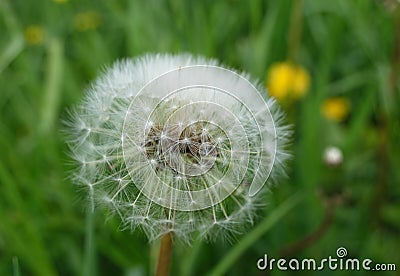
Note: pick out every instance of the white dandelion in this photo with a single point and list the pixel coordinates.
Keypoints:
(333, 156)
(177, 144)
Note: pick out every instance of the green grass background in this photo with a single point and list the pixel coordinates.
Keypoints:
(350, 48)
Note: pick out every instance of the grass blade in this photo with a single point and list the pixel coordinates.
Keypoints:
(255, 234)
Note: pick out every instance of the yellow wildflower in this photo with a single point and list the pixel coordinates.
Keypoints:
(287, 81)
(34, 34)
(336, 109)
(85, 21)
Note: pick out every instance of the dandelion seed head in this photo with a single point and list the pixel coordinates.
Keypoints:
(333, 156)
(176, 143)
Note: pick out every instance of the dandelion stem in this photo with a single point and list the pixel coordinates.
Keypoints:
(165, 255)
(89, 257)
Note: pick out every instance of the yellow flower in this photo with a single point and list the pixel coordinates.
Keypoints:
(60, 1)
(301, 82)
(34, 34)
(85, 21)
(336, 109)
(287, 81)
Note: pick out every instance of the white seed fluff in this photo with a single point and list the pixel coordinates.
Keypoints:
(333, 156)
(176, 143)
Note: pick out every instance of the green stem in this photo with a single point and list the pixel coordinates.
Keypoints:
(89, 261)
(16, 42)
(53, 82)
(254, 235)
(165, 255)
(296, 26)
(16, 270)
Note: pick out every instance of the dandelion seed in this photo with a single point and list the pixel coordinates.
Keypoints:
(333, 156)
(185, 143)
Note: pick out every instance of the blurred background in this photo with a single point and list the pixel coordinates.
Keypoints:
(334, 66)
